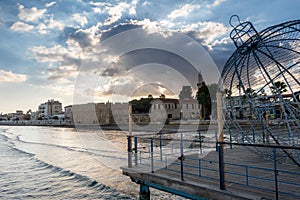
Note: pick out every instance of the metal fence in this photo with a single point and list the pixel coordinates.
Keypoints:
(231, 166)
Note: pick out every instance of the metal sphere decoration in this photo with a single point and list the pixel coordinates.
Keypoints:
(261, 84)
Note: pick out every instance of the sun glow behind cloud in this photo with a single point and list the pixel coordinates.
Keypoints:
(49, 41)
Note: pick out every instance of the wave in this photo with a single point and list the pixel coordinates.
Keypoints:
(78, 183)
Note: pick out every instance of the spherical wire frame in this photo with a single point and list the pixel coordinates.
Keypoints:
(261, 84)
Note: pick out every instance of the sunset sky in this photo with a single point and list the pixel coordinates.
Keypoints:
(50, 49)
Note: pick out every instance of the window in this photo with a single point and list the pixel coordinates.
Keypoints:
(175, 105)
(187, 106)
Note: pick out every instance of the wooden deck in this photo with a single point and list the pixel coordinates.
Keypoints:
(201, 178)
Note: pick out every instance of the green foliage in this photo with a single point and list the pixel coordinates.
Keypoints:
(278, 86)
(227, 92)
(141, 106)
(250, 93)
(204, 98)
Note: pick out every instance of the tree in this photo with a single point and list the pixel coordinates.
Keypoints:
(162, 96)
(141, 106)
(203, 97)
(227, 93)
(186, 93)
(239, 87)
(278, 86)
(251, 93)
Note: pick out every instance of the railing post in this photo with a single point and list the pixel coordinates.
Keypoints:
(166, 162)
(263, 133)
(199, 167)
(253, 136)
(135, 151)
(216, 136)
(221, 166)
(160, 147)
(129, 149)
(230, 138)
(130, 136)
(181, 157)
(151, 150)
(140, 157)
(247, 176)
(275, 172)
(144, 192)
(200, 142)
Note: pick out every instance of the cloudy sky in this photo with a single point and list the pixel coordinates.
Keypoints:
(82, 51)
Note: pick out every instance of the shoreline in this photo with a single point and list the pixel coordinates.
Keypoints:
(166, 128)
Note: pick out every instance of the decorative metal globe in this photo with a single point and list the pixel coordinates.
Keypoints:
(261, 83)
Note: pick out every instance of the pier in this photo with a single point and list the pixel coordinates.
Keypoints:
(191, 165)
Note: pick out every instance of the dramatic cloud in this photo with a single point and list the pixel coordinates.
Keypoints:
(52, 24)
(56, 53)
(30, 14)
(78, 18)
(60, 40)
(21, 26)
(8, 76)
(116, 12)
(86, 37)
(63, 72)
(183, 11)
(208, 32)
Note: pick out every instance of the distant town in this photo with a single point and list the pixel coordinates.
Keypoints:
(158, 109)
(161, 109)
(145, 110)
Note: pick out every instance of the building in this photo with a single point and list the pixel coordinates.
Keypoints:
(163, 109)
(190, 109)
(69, 114)
(97, 113)
(49, 109)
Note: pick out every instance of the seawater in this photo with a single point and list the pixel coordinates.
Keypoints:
(59, 163)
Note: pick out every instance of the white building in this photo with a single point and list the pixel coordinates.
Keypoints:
(163, 109)
(50, 108)
(190, 109)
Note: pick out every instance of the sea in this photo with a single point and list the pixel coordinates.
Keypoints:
(63, 163)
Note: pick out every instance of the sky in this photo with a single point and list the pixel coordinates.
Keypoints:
(78, 51)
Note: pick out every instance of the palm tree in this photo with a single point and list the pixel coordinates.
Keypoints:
(239, 87)
(278, 86)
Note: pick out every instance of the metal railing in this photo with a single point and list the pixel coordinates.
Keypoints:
(187, 159)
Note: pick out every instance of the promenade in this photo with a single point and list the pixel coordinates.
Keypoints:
(240, 174)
